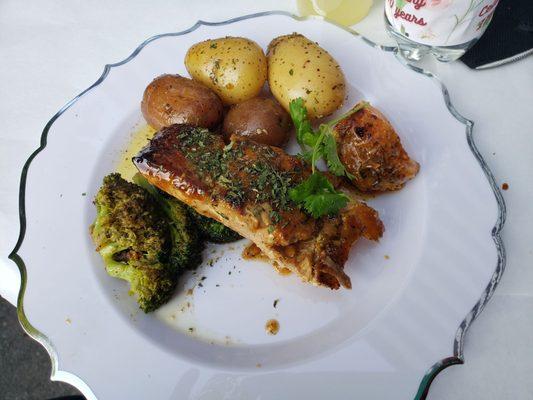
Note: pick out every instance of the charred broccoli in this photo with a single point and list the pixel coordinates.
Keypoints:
(213, 231)
(187, 245)
(133, 238)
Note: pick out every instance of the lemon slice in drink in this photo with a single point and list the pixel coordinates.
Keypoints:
(344, 12)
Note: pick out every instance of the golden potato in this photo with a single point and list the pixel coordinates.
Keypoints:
(298, 67)
(259, 119)
(234, 67)
(174, 99)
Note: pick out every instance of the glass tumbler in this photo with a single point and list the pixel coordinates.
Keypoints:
(444, 28)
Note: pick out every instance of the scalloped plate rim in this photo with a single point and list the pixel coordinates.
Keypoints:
(456, 358)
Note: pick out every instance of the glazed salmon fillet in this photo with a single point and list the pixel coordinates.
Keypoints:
(245, 186)
(371, 150)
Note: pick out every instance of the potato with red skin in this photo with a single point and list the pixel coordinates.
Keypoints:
(174, 99)
(260, 119)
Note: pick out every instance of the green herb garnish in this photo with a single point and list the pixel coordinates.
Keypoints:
(316, 193)
(318, 196)
(322, 143)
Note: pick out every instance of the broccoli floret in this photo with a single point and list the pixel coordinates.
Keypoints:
(133, 237)
(213, 231)
(209, 229)
(187, 245)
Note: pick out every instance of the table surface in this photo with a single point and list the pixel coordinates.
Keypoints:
(52, 50)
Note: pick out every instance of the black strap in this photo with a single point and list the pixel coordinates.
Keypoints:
(509, 36)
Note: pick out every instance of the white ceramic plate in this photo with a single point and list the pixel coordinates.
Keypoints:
(402, 322)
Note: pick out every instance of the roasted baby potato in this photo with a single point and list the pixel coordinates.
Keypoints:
(234, 67)
(260, 119)
(174, 99)
(298, 67)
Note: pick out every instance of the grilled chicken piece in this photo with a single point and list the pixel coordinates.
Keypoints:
(245, 185)
(371, 151)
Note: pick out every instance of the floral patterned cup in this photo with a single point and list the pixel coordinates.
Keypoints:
(445, 28)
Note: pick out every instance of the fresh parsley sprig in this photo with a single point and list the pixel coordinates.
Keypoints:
(321, 143)
(316, 194)
(304, 131)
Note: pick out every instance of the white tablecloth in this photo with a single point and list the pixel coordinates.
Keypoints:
(50, 51)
